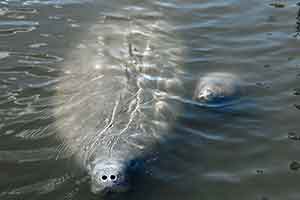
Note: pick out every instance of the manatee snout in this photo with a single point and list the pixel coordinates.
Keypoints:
(109, 176)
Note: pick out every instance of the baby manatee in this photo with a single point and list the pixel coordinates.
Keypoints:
(218, 87)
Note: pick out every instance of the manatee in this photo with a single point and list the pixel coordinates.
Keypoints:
(112, 102)
(218, 87)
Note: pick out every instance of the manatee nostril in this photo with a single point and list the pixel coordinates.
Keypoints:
(112, 177)
(104, 177)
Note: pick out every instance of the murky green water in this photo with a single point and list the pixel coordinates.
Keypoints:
(248, 151)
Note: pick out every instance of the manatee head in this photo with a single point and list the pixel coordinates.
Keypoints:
(109, 176)
(218, 88)
(209, 93)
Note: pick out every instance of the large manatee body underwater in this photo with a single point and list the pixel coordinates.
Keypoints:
(115, 94)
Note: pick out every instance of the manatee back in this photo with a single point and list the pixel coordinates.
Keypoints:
(108, 92)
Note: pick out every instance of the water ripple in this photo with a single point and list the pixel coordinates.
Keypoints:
(12, 31)
(42, 187)
(22, 156)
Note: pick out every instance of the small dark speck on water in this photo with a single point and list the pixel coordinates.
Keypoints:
(265, 198)
(294, 165)
(297, 106)
(272, 18)
(297, 91)
(293, 136)
(259, 171)
(267, 66)
(263, 85)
